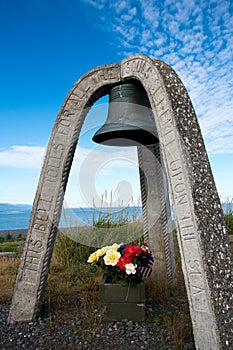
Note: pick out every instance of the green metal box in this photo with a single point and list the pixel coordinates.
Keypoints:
(122, 302)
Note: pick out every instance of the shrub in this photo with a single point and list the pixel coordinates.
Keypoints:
(68, 252)
(11, 247)
(229, 223)
(21, 238)
(9, 238)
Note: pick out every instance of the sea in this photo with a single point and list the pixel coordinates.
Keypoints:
(17, 216)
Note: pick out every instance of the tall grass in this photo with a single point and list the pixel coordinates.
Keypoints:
(72, 288)
(228, 215)
(109, 224)
(8, 271)
(117, 225)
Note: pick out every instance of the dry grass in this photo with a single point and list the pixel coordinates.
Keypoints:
(173, 311)
(8, 272)
(180, 327)
(69, 275)
(71, 288)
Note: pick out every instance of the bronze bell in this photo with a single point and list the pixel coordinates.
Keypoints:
(129, 121)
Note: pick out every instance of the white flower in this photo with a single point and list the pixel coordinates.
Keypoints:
(130, 269)
(111, 257)
(115, 246)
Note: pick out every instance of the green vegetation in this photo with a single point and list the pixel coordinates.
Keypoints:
(20, 237)
(109, 227)
(11, 247)
(9, 238)
(229, 223)
(228, 216)
(71, 288)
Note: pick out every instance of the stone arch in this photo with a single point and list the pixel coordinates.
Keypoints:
(197, 209)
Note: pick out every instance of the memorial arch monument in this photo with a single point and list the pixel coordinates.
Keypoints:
(203, 240)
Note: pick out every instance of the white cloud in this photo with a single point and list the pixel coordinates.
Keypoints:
(92, 172)
(98, 4)
(85, 160)
(119, 6)
(96, 160)
(150, 12)
(22, 157)
(196, 39)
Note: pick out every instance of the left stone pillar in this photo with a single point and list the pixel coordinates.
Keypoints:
(35, 261)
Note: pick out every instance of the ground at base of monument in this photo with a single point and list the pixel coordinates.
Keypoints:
(70, 317)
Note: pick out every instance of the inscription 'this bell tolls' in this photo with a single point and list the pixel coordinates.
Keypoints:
(32, 259)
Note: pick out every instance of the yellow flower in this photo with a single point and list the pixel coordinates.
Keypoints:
(97, 254)
(92, 258)
(111, 257)
(115, 246)
(100, 252)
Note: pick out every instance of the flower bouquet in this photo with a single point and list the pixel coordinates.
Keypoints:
(123, 264)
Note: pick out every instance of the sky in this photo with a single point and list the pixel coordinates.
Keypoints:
(46, 46)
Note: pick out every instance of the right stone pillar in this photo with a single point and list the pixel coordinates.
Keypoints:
(156, 212)
(203, 241)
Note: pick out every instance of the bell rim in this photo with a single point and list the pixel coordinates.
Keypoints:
(137, 136)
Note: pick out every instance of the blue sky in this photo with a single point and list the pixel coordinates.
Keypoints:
(47, 45)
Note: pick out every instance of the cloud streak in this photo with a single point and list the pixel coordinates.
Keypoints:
(91, 173)
(27, 157)
(85, 160)
(196, 40)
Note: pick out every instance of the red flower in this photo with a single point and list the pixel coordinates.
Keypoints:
(133, 250)
(128, 256)
(123, 260)
(145, 249)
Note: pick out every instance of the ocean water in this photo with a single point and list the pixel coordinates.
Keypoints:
(14, 217)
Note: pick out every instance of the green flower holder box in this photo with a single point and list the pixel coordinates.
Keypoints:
(122, 302)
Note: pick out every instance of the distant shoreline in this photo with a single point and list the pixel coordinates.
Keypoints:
(23, 233)
(14, 233)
